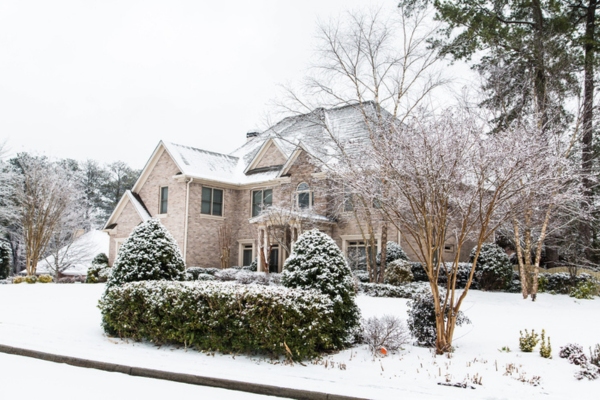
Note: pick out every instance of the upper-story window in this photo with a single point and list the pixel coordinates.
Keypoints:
(304, 196)
(212, 201)
(261, 199)
(164, 199)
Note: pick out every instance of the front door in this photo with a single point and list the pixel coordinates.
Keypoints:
(274, 259)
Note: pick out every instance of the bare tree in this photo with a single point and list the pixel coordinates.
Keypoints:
(225, 242)
(44, 196)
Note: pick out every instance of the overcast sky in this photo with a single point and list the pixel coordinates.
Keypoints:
(107, 80)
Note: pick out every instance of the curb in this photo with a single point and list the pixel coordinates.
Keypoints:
(191, 379)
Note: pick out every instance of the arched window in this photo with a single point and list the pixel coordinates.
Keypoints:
(304, 197)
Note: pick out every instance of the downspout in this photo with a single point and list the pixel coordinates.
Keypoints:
(185, 223)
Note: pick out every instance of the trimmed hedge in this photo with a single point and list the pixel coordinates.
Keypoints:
(406, 291)
(223, 317)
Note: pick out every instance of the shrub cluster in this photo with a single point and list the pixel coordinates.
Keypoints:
(45, 279)
(563, 283)
(5, 259)
(18, 279)
(317, 263)
(222, 317)
(362, 276)
(398, 272)
(574, 354)
(421, 318)
(406, 291)
(585, 290)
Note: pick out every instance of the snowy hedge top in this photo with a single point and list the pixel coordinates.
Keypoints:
(149, 253)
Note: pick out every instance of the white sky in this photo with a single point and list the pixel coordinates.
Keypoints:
(107, 79)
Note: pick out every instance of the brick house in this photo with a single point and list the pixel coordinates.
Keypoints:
(254, 201)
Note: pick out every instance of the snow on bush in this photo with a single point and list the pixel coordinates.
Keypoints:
(387, 332)
(5, 258)
(224, 317)
(494, 270)
(149, 253)
(393, 252)
(574, 354)
(398, 272)
(406, 291)
(362, 276)
(317, 263)
(99, 271)
(421, 318)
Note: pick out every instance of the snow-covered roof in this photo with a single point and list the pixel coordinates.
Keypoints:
(78, 255)
(316, 132)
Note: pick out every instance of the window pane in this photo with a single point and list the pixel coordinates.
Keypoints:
(217, 206)
(268, 197)
(303, 200)
(206, 200)
(256, 202)
(247, 257)
(164, 199)
(303, 186)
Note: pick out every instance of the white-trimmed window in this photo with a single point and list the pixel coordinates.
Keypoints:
(164, 200)
(212, 201)
(261, 199)
(304, 196)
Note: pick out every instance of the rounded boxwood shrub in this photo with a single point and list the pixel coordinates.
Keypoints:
(99, 271)
(317, 263)
(421, 318)
(393, 252)
(494, 270)
(398, 272)
(150, 253)
(45, 279)
(5, 258)
(222, 317)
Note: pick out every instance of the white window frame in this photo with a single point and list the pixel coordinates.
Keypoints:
(311, 199)
(241, 245)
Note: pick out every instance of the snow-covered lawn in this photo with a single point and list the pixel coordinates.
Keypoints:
(64, 319)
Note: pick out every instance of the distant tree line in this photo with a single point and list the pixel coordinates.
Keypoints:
(46, 204)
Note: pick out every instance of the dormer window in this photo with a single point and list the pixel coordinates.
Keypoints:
(304, 197)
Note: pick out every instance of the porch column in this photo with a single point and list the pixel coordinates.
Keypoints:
(261, 245)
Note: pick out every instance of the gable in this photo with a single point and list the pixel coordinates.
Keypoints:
(271, 156)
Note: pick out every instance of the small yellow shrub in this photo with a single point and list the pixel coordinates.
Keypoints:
(45, 279)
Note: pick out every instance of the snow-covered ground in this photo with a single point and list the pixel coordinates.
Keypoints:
(64, 319)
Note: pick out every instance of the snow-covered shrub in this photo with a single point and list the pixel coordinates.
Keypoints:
(5, 259)
(393, 252)
(254, 265)
(419, 274)
(44, 279)
(230, 318)
(528, 341)
(398, 272)
(571, 348)
(545, 348)
(205, 277)
(562, 282)
(589, 372)
(195, 271)
(99, 271)
(149, 253)
(406, 291)
(18, 279)
(317, 263)
(66, 279)
(31, 279)
(226, 275)
(362, 276)
(388, 332)
(595, 355)
(421, 318)
(494, 270)
(585, 290)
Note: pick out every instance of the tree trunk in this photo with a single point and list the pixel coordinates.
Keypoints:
(383, 261)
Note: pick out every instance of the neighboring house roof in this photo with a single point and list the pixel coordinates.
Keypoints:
(137, 204)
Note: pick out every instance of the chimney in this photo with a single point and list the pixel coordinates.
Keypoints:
(251, 134)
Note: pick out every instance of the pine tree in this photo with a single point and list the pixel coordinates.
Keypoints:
(149, 253)
(317, 263)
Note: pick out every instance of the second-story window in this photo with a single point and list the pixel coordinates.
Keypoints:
(212, 201)
(261, 199)
(164, 199)
(304, 197)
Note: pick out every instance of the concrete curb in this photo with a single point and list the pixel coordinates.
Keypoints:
(191, 379)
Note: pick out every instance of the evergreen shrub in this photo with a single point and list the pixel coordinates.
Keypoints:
(229, 318)
(494, 271)
(585, 290)
(18, 279)
(393, 252)
(421, 318)
(406, 291)
(362, 276)
(317, 263)
(44, 279)
(31, 279)
(398, 272)
(149, 253)
(528, 341)
(562, 282)
(99, 271)
(5, 259)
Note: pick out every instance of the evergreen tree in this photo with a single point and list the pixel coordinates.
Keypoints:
(5, 252)
(149, 253)
(317, 263)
